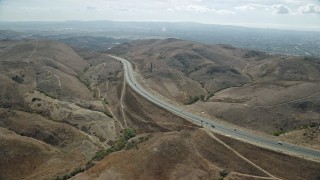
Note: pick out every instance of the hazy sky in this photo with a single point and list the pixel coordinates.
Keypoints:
(288, 14)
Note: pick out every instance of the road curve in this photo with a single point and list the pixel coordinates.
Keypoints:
(214, 125)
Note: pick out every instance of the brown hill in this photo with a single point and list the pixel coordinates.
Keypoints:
(270, 93)
(42, 145)
(172, 155)
(59, 108)
(195, 155)
(177, 65)
(180, 150)
(51, 118)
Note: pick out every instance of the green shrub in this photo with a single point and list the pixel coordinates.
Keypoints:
(18, 79)
(101, 154)
(36, 99)
(278, 133)
(105, 101)
(210, 94)
(86, 69)
(144, 138)
(65, 177)
(118, 145)
(87, 83)
(89, 165)
(45, 93)
(131, 145)
(94, 94)
(192, 99)
(69, 175)
(84, 81)
(108, 114)
(128, 133)
(202, 97)
(223, 173)
(76, 171)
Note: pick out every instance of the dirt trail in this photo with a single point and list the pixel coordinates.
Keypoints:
(58, 78)
(107, 84)
(107, 107)
(121, 101)
(252, 176)
(34, 51)
(242, 157)
(99, 93)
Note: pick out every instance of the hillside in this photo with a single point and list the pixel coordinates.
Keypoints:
(251, 89)
(58, 108)
(196, 155)
(68, 114)
(167, 147)
(50, 118)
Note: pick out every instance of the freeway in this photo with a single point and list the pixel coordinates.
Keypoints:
(213, 124)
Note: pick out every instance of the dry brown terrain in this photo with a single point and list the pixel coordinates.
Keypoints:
(34, 147)
(195, 155)
(52, 119)
(172, 155)
(177, 150)
(278, 164)
(251, 89)
(59, 107)
(146, 117)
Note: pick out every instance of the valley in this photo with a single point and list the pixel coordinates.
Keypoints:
(159, 90)
(65, 111)
(250, 89)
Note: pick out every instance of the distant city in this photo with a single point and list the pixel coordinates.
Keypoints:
(105, 34)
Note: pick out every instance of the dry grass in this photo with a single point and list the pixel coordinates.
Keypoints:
(171, 155)
(278, 164)
(146, 117)
(46, 148)
(251, 89)
(59, 129)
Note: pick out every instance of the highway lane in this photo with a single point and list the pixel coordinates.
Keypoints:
(211, 123)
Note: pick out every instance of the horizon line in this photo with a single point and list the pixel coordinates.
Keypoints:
(252, 26)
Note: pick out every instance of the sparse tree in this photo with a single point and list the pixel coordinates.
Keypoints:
(223, 173)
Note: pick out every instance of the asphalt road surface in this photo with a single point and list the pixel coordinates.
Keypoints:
(214, 125)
